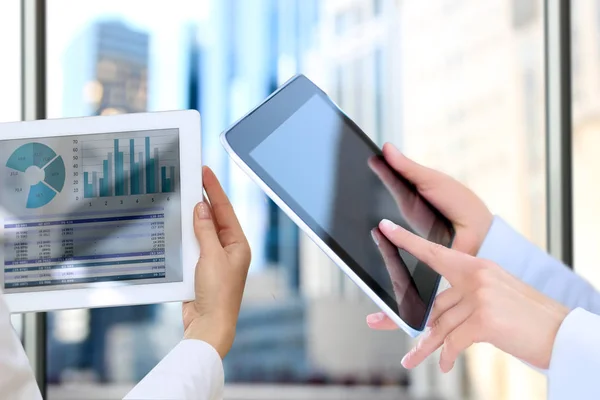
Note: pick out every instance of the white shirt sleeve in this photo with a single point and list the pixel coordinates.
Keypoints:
(16, 377)
(534, 266)
(575, 360)
(575, 364)
(192, 370)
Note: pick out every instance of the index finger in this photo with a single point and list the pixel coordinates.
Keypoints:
(449, 263)
(388, 251)
(229, 229)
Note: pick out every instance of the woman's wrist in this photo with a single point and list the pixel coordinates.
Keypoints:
(557, 315)
(219, 336)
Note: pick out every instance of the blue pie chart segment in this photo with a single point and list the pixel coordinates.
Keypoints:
(22, 158)
(43, 157)
(30, 154)
(39, 195)
(55, 174)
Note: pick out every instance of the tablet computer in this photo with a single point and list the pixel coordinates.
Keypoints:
(97, 211)
(333, 182)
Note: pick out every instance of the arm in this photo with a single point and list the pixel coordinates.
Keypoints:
(16, 377)
(507, 248)
(192, 370)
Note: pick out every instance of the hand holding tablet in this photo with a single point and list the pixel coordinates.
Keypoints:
(334, 183)
(220, 272)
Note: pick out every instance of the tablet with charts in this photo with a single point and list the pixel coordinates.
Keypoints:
(93, 210)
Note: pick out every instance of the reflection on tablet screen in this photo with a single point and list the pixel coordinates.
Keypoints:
(90, 210)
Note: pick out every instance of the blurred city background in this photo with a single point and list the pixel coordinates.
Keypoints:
(457, 84)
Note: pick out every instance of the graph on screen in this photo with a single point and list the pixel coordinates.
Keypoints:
(36, 171)
(131, 166)
(83, 209)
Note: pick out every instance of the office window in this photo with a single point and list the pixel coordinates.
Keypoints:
(10, 79)
(461, 88)
(585, 42)
(476, 118)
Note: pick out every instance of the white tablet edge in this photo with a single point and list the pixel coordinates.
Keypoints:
(188, 123)
(318, 241)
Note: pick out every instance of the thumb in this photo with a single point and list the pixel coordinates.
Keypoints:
(204, 228)
(381, 322)
(419, 175)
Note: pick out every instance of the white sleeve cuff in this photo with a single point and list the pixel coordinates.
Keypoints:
(575, 362)
(192, 370)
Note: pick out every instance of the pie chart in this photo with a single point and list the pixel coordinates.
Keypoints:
(36, 173)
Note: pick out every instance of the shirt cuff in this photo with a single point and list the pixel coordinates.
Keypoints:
(192, 370)
(575, 358)
(506, 247)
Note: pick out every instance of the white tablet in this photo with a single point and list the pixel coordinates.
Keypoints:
(97, 211)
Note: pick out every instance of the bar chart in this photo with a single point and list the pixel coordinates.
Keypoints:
(132, 166)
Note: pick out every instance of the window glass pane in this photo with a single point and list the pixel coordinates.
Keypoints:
(458, 85)
(10, 67)
(463, 90)
(585, 64)
(117, 57)
(10, 78)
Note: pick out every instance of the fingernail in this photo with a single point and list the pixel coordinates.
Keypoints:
(375, 239)
(395, 150)
(375, 318)
(405, 359)
(446, 367)
(202, 211)
(388, 225)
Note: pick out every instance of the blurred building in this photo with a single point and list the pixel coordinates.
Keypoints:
(363, 59)
(459, 78)
(331, 305)
(418, 74)
(586, 135)
(473, 106)
(287, 332)
(239, 69)
(357, 55)
(106, 72)
(358, 39)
